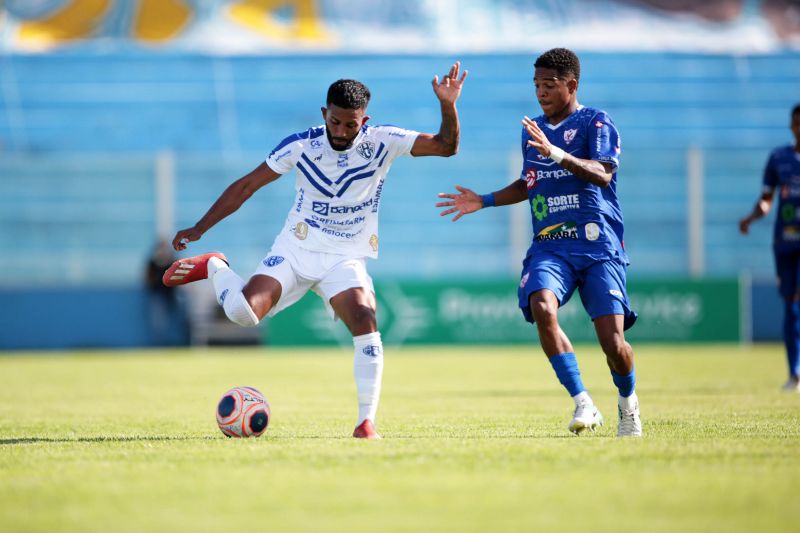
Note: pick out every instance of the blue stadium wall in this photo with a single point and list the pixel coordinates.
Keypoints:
(80, 132)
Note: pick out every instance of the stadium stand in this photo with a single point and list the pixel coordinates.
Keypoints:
(80, 132)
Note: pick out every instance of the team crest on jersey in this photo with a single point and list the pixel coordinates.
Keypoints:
(273, 260)
(569, 135)
(366, 149)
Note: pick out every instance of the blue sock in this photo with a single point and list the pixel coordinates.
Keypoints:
(566, 367)
(625, 384)
(791, 335)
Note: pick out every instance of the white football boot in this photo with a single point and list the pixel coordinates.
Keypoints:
(630, 424)
(586, 416)
(793, 385)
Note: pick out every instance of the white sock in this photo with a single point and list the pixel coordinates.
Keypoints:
(214, 264)
(228, 286)
(368, 371)
(628, 403)
(582, 398)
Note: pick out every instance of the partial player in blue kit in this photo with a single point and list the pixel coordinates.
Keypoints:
(569, 176)
(782, 173)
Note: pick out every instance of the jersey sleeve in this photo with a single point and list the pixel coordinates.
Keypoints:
(285, 155)
(604, 141)
(398, 141)
(771, 177)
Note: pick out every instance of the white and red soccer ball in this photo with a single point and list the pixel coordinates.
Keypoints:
(243, 412)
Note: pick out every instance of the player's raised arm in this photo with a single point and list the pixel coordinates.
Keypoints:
(467, 201)
(596, 172)
(444, 143)
(229, 201)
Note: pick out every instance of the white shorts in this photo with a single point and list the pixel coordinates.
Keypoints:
(299, 270)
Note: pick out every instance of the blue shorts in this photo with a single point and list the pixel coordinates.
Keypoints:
(787, 267)
(600, 283)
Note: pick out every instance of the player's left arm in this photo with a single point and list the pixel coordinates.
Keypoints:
(596, 172)
(445, 143)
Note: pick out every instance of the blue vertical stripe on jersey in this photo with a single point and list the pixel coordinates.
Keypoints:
(316, 170)
(319, 187)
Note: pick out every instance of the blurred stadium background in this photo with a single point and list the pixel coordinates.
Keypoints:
(123, 120)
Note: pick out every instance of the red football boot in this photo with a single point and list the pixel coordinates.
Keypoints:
(190, 269)
(366, 430)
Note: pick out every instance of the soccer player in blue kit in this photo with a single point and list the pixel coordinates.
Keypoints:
(783, 173)
(571, 154)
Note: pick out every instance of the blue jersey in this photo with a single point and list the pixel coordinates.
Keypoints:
(782, 175)
(572, 216)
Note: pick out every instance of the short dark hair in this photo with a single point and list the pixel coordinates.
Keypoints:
(561, 60)
(795, 110)
(348, 94)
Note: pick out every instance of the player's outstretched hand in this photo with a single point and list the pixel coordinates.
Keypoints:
(449, 89)
(744, 225)
(185, 236)
(539, 140)
(462, 204)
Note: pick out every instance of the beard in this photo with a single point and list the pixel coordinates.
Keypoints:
(340, 143)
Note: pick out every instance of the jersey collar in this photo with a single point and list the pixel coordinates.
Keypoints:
(556, 126)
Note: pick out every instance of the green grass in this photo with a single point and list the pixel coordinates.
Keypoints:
(475, 439)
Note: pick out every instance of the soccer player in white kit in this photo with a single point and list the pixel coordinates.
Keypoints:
(332, 226)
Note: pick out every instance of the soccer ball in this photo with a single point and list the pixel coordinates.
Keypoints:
(243, 412)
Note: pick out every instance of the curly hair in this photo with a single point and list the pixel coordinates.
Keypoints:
(561, 60)
(795, 110)
(348, 94)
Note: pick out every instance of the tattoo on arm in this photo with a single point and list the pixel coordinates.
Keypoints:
(450, 131)
(587, 169)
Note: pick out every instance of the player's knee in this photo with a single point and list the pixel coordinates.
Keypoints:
(238, 310)
(615, 346)
(543, 309)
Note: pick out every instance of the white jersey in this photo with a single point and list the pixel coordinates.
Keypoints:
(338, 192)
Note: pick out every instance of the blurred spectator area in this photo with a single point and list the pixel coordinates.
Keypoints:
(81, 133)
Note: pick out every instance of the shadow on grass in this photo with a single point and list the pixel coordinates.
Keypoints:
(128, 438)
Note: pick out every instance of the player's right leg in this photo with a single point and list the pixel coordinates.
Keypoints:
(788, 271)
(791, 339)
(244, 304)
(547, 283)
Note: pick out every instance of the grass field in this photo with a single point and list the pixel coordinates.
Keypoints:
(475, 439)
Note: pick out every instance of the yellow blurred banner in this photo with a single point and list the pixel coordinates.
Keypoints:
(407, 26)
